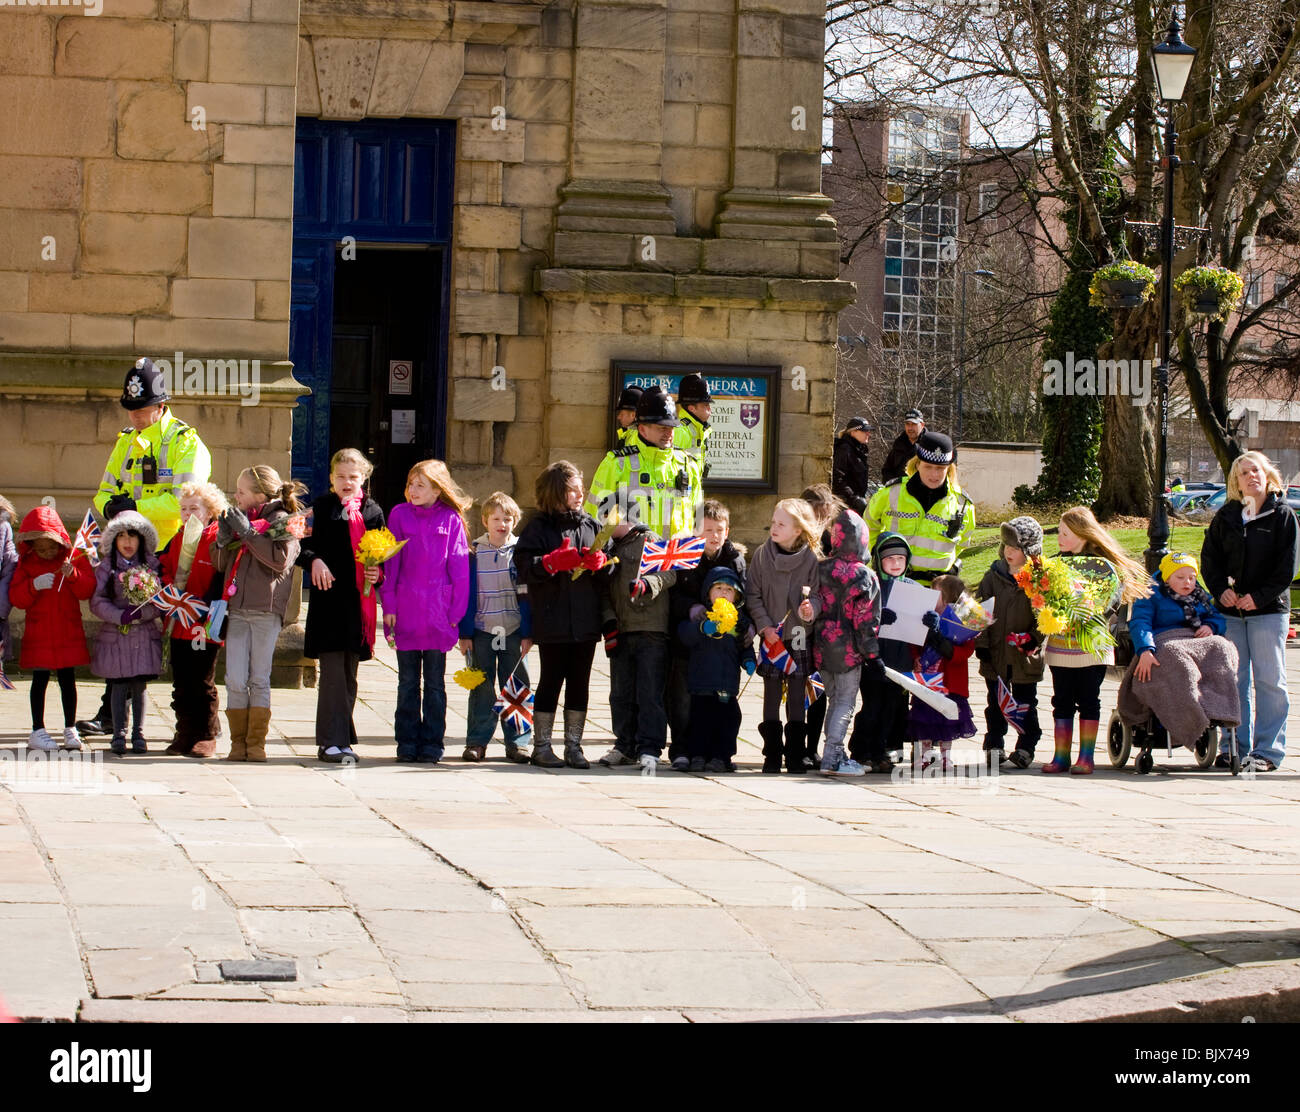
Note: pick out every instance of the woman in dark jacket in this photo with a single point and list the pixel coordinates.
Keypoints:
(849, 472)
(340, 620)
(1248, 561)
(566, 611)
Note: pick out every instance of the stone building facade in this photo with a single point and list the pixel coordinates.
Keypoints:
(542, 187)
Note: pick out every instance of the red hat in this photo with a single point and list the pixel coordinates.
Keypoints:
(43, 523)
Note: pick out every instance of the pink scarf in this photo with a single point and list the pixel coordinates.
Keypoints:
(259, 525)
(357, 527)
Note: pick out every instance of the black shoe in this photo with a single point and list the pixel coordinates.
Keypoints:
(426, 757)
(407, 758)
(92, 726)
(1223, 760)
(138, 745)
(330, 758)
(770, 732)
(1019, 759)
(118, 746)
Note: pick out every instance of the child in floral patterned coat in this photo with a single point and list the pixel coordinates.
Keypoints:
(843, 603)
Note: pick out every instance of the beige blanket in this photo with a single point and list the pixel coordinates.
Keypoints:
(1195, 685)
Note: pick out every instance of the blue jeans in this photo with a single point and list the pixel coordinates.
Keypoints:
(841, 691)
(638, 671)
(1261, 652)
(419, 736)
(495, 664)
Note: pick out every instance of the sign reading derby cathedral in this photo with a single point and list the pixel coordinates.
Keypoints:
(742, 446)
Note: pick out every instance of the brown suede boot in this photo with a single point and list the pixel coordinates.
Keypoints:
(259, 721)
(207, 747)
(238, 719)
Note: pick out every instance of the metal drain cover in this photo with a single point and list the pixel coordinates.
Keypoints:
(267, 969)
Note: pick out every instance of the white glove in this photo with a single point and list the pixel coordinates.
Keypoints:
(44, 582)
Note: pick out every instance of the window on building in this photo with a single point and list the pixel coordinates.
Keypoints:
(1280, 283)
(1253, 284)
(988, 198)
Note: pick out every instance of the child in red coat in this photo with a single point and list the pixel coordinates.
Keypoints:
(50, 585)
(193, 656)
(926, 726)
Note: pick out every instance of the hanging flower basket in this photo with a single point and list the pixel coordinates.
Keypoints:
(1121, 285)
(1209, 292)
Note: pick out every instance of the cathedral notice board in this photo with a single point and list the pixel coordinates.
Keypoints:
(742, 447)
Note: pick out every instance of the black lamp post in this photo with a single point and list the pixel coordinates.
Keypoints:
(1172, 61)
(961, 342)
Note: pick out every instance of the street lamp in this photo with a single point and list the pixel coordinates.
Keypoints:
(961, 340)
(1172, 61)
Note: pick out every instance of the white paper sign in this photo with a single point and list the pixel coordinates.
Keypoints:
(403, 426)
(909, 601)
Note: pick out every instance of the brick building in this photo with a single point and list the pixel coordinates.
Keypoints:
(434, 224)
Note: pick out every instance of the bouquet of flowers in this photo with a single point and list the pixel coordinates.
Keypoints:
(1068, 603)
(139, 585)
(469, 678)
(962, 621)
(723, 614)
(374, 547)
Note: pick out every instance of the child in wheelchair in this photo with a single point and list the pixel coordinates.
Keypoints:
(1184, 671)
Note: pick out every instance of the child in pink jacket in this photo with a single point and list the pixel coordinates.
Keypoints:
(424, 593)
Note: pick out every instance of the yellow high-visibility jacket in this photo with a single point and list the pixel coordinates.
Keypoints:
(936, 536)
(653, 486)
(179, 457)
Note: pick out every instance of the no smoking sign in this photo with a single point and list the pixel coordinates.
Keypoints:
(400, 374)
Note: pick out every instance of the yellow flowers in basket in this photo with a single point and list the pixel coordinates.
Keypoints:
(374, 547)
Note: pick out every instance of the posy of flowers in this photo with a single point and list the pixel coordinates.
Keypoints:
(1067, 603)
(139, 584)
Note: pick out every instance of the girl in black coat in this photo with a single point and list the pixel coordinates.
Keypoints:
(566, 611)
(338, 633)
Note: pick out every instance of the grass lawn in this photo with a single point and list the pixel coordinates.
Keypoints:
(977, 559)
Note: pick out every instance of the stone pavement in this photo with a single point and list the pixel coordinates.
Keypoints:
(500, 891)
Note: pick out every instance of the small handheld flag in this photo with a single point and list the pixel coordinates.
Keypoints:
(5, 683)
(516, 704)
(87, 539)
(676, 554)
(184, 607)
(777, 656)
(813, 690)
(1012, 711)
(932, 680)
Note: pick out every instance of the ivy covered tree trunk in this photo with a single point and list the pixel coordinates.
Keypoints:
(1071, 424)
(1128, 444)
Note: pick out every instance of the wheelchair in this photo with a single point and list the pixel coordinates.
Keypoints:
(1124, 738)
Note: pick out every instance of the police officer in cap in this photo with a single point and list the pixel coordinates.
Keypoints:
(647, 479)
(152, 458)
(904, 446)
(694, 409)
(850, 479)
(928, 508)
(625, 413)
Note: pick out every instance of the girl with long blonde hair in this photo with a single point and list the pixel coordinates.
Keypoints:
(778, 579)
(1076, 674)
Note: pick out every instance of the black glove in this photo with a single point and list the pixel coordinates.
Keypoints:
(874, 667)
(982, 655)
(888, 617)
(236, 521)
(930, 619)
(118, 504)
(131, 614)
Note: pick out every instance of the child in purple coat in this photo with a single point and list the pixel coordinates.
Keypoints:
(128, 646)
(424, 593)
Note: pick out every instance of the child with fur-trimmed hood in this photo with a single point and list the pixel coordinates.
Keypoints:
(128, 645)
(845, 604)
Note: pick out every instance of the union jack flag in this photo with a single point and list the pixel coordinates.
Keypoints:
(932, 680)
(516, 704)
(181, 605)
(679, 553)
(5, 683)
(813, 690)
(87, 539)
(777, 656)
(1012, 711)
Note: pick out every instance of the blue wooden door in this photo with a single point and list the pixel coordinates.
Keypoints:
(359, 187)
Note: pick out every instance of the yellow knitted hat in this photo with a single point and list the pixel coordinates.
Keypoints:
(1175, 560)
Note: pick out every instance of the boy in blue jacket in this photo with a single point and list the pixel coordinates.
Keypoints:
(713, 675)
(496, 628)
(1176, 600)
